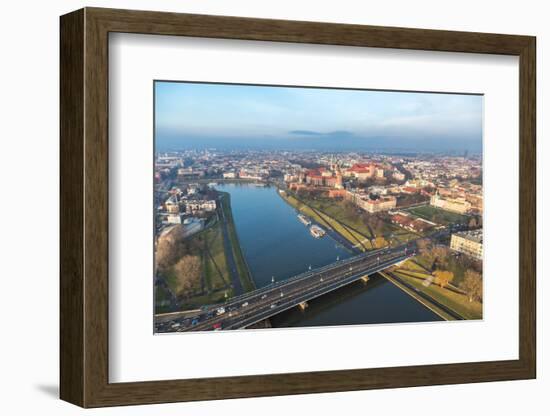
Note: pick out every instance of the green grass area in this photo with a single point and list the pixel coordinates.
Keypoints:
(437, 215)
(208, 245)
(415, 273)
(403, 237)
(338, 210)
(458, 270)
(216, 271)
(413, 266)
(210, 299)
(326, 220)
(361, 240)
(453, 265)
(162, 303)
(244, 273)
(455, 301)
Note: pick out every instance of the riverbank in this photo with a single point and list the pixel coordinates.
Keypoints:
(207, 267)
(355, 239)
(428, 302)
(246, 280)
(446, 303)
(194, 270)
(451, 298)
(278, 246)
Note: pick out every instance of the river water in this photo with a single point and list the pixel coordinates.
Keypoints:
(277, 245)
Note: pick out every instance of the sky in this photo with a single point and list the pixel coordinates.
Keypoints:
(236, 116)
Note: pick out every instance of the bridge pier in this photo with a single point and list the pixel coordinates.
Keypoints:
(365, 278)
(303, 306)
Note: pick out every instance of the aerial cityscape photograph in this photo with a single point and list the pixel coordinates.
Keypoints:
(290, 206)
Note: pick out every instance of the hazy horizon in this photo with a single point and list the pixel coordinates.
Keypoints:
(231, 116)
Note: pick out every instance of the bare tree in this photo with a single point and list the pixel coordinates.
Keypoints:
(188, 272)
(167, 251)
(472, 285)
(423, 247)
(441, 253)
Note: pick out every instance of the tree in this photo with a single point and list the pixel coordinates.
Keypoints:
(441, 253)
(423, 246)
(169, 248)
(472, 285)
(380, 242)
(187, 271)
(443, 277)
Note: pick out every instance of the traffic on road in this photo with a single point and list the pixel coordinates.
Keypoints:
(252, 307)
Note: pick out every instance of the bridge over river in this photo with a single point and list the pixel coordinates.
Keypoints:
(250, 308)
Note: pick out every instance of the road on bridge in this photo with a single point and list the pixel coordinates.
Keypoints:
(252, 307)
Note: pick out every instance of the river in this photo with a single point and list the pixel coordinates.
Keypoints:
(277, 245)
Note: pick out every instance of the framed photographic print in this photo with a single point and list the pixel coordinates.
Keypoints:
(256, 207)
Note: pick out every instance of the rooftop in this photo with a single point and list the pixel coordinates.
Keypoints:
(475, 235)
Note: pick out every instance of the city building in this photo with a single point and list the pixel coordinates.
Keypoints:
(382, 203)
(407, 222)
(172, 205)
(194, 206)
(323, 177)
(458, 205)
(398, 176)
(379, 171)
(173, 219)
(361, 171)
(469, 243)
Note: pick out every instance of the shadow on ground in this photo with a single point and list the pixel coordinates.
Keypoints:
(51, 390)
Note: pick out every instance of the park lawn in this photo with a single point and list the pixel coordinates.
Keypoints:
(216, 272)
(324, 219)
(453, 265)
(455, 301)
(356, 226)
(413, 266)
(415, 273)
(437, 215)
(162, 300)
(458, 270)
(348, 233)
(171, 280)
(404, 237)
(212, 298)
(247, 281)
(337, 210)
(423, 261)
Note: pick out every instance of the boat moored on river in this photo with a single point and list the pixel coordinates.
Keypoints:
(317, 231)
(304, 220)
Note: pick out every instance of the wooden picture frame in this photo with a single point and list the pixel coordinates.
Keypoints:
(84, 207)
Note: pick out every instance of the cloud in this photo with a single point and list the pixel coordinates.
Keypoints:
(312, 133)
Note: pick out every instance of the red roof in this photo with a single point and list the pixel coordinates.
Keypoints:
(361, 168)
